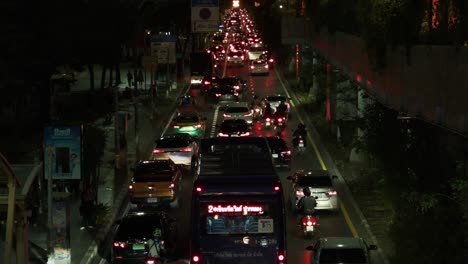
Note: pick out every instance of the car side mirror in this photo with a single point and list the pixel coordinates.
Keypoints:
(372, 247)
(334, 177)
(311, 247)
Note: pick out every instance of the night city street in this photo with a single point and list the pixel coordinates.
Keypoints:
(234, 131)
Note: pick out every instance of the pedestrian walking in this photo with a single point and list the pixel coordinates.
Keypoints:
(129, 78)
(140, 77)
(87, 207)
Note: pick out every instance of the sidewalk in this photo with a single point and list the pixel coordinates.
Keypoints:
(84, 243)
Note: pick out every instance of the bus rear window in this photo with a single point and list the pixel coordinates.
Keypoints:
(224, 218)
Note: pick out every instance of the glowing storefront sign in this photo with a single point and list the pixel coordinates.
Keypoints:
(245, 209)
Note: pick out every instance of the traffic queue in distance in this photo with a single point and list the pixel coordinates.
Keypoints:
(230, 221)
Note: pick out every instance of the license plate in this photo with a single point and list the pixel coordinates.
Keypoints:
(301, 145)
(152, 200)
(309, 228)
(267, 123)
(274, 155)
(138, 246)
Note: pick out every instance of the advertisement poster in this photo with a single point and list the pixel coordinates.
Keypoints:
(62, 152)
(60, 238)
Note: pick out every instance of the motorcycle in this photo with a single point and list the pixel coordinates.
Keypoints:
(279, 122)
(309, 225)
(299, 143)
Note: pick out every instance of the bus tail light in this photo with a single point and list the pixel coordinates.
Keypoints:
(198, 189)
(195, 259)
(276, 187)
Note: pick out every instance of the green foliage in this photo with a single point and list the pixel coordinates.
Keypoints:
(101, 213)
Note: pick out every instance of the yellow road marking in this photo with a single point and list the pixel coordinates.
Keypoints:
(322, 163)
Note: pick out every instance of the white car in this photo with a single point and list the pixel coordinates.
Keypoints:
(238, 110)
(255, 51)
(259, 67)
(180, 148)
(321, 185)
(275, 99)
(235, 58)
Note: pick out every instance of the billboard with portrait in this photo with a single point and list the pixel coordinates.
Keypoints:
(62, 152)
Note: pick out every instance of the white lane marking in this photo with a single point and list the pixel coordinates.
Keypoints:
(213, 125)
(168, 123)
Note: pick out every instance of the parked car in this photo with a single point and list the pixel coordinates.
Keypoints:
(321, 185)
(336, 250)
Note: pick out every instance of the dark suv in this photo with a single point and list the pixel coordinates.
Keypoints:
(142, 234)
(335, 250)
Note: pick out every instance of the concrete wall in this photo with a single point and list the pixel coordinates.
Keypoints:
(434, 85)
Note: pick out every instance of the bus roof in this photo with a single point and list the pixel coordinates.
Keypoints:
(229, 144)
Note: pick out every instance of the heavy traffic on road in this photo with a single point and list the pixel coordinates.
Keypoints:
(242, 97)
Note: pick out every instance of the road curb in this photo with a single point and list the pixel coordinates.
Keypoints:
(334, 168)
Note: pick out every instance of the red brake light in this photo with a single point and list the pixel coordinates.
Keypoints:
(268, 119)
(171, 186)
(186, 150)
(130, 187)
(199, 189)
(150, 260)
(206, 82)
(158, 151)
(309, 221)
(288, 152)
(276, 188)
(245, 134)
(331, 193)
(280, 119)
(120, 244)
(175, 127)
(196, 259)
(281, 257)
(226, 115)
(252, 67)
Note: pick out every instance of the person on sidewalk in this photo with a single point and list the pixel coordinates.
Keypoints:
(129, 78)
(141, 78)
(87, 207)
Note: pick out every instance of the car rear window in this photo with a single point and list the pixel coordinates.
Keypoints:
(342, 256)
(171, 143)
(315, 181)
(187, 119)
(231, 110)
(152, 177)
(255, 49)
(228, 81)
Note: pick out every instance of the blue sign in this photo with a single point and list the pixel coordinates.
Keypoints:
(62, 152)
(205, 2)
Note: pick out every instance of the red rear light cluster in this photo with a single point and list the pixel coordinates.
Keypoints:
(199, 189)
(287, 152)
(309, 221)
(281, 258)
(158, 151)
(195, 259)
(331, 193)
(120, 244)
(185, 150)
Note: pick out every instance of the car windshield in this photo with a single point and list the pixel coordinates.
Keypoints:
(235, 53)
(171, 143)
(233, 110)
(234, 125)
(255, 49)
(342, 256)
(153, 177)
(187, 119)
(259, 62)
(275, 98)
(314, 181)
(138, 227)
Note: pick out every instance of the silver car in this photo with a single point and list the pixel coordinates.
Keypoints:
(259, 67)
(335, 250)
(238, 110)
(321, 185)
